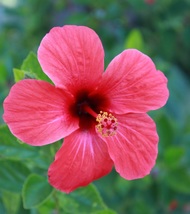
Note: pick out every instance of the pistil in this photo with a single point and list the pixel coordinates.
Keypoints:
(87, 109)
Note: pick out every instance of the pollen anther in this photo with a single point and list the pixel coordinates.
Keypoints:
(107, 124)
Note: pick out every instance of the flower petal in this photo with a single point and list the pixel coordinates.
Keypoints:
(82, 158)
(72, 56)
(37, 112)
(134, 148)
(133, 84)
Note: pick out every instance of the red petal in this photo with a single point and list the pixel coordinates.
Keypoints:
(37, 112)
(82, 158)
(133, 84)
(134, 148)
(72, 56)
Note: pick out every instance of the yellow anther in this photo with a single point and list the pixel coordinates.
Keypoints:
(107, 124)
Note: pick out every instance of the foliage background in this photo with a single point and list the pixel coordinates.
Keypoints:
(159, 28)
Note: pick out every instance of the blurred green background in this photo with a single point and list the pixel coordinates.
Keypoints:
(160, 29)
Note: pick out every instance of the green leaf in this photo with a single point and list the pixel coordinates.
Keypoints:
(18, 74)
(172, 156)
(2, 206)
(178, 103)
(35, 191)
(3, 73)
(11, 202)
(105, 212)
(164, 124)
(83, 200)
(49, 206)
(31, 66)
(10, 148)
(179, 180)
(134, 40)
(141, 207)
(122, 186)
(13, 174)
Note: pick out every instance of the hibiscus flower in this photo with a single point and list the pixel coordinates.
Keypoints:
(101, 115)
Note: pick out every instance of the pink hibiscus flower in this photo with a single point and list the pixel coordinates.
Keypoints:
(101, 115)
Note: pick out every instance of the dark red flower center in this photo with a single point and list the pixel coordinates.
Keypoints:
(89, 110)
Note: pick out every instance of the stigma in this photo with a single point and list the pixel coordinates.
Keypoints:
(107, 124)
